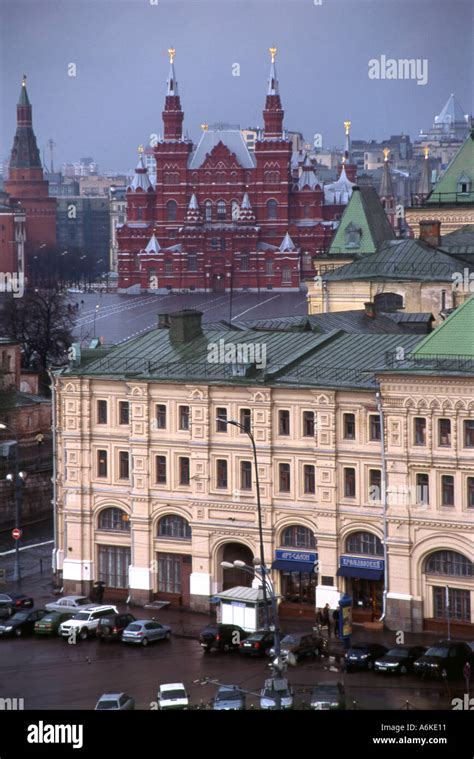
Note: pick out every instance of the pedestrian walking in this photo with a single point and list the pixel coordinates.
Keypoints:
(335, 616)
(326, 621)
(99, 591)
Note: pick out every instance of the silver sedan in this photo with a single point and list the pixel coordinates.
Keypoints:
(143, 631)
(69, 603)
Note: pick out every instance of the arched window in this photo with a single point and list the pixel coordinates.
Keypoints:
(171, 210)
(298, 536)
(114, 519)
(272, 209)
(221, 210)
(220, 177)
(365, 543)
(286, 275)
(353, 235)
(271, 177)
(269, 267)
(449, 563)
(174, 526)
(208, 210)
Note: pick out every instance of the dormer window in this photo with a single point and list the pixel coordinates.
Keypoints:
(464, 184)
(353, 235)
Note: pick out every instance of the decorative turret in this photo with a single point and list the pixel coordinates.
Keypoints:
(308, 178)
(273, 113)
(141, 180)
(246, 214)
(386, 192)
(424, 185)
(193, 215)
(346, 163)
(25, 153)
(153, 245)
(287, 245)
(172, 115)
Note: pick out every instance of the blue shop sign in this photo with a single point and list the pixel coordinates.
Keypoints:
(359, 562)
(297, 556)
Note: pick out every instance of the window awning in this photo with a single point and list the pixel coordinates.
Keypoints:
(293, 566)
(362, 574)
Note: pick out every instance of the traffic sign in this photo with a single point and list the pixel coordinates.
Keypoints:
(16, 534)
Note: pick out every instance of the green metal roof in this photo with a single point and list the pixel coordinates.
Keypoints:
(462, 165)
(365, 211)
(454, 337)
(400, 260)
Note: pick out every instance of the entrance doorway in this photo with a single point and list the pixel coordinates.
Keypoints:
(174, 572)
(218, 283)
(234, 577)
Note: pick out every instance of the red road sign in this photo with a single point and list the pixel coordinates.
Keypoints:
(16, 534)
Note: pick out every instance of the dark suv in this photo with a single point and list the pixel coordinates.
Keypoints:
(445, 659)
(112, 626)
(222, 637)
(300, 644)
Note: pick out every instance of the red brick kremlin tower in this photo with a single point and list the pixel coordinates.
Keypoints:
(222, 217)
(25, 185)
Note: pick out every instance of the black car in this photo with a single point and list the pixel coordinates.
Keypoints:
(12, 602)
(222, 637)
(363, 656)
(445, 659)
(112, 626)
(399, 660)
(257, 644)
(22, 623)
(327, 696)
(296, 645)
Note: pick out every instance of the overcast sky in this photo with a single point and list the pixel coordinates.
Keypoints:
(119, 48)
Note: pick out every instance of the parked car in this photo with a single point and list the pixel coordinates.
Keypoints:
(399, 660)
(21, 623)
(222, 637)
(84, 623)
(144, 631)
(300, 644)
(363, 655)
(11, 602)
(112, 626)
(326, 696)
(445, 659)
(172, 696)
(119, 701)
(69, 603)
(229, 698)
(49, 624)
(277, 694)
(257, 644)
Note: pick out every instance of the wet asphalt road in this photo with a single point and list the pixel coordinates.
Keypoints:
(121, 317)
(53, 674)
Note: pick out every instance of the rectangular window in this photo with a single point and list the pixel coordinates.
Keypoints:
(420, 430)
(246, 475)
(221, 421)
(283, 422)
(184, 473)
(422, 490)
(349, 482)
(470, 492)
(161, 416)
(459, 604)
(374, 427)
(114, 562)
(469, 433)
(124, 465)
(245, 419)
(444, 432)
(214, 243)
(102, 463)
(124, 412)
(349, 426)
(284, 478)
(183, 414)
(101, 412)
(447, 490)
(308, 423)
(160, 470)
(169, 573)
(221, 473)
(375, 485)
(244, 263)
(309, 478)
(192, 262)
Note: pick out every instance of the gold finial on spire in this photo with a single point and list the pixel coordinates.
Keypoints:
(204, 127)
(273, 52)
(343, 160)
(347, 126)
(386, 153)
(172, 53)
(426, 151)
(141, 150)
(23, 83)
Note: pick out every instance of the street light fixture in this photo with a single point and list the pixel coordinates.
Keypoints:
(18, 480)
(95, 315)
(248, 432)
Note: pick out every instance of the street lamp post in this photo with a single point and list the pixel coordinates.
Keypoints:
(18, 480)
(95, 315)
(259, 507)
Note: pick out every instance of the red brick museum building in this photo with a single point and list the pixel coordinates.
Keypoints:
(222, 216)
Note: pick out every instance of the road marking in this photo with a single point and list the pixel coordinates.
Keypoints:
(236, 316)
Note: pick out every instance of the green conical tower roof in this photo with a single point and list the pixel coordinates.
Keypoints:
(461, 168)
(364, 211)
(454, 337)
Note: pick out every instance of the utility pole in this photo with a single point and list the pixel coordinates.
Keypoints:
(51, 146)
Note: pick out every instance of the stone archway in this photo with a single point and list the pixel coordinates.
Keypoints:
(232, 577)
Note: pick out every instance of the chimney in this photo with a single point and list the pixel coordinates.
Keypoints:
(185, 326)
(430, 232)
(163, 321)
(370, 309)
